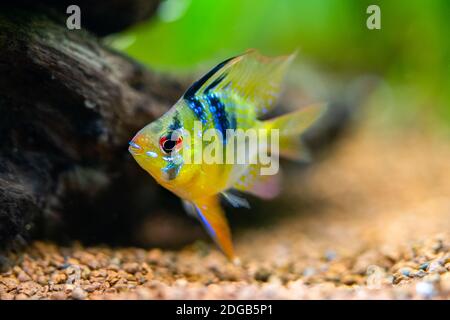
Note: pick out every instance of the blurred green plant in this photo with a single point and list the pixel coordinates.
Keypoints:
(411, 52)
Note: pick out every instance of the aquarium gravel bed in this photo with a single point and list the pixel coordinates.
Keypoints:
(373, 224)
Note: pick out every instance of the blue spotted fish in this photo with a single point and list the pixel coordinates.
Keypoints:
(233, 95)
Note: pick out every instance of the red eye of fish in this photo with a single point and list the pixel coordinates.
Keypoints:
(168, 145)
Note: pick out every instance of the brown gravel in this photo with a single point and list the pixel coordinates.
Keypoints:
(370, 222)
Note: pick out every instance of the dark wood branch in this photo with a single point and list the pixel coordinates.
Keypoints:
(101, 17)
(68, 107)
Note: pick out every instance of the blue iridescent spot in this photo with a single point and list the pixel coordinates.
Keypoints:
(152, 154)
(196, 106)
(134, 145)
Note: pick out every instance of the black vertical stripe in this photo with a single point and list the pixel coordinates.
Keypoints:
(217, 109)
(176, 124)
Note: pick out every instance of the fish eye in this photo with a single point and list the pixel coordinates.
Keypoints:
(169, 144)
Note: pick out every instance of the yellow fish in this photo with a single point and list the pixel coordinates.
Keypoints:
(231, 97)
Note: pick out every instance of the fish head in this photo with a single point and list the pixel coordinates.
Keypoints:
(160, 149)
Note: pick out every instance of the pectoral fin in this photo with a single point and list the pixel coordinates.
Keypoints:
(213, 219)
(236, 201)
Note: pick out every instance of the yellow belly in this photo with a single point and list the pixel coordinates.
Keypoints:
(206, 181)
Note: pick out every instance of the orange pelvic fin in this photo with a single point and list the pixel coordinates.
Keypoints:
(212, 216)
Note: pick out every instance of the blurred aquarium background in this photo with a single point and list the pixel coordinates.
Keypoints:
(409, 55)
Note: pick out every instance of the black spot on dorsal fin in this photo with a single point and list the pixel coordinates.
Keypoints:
(215, 83)
(190, 93)
(176, 124)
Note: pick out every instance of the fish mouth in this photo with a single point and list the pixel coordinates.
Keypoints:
(134, 148)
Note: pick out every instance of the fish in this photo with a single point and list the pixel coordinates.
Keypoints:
(233, 96)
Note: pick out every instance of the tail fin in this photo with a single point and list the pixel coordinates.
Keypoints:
(291, 126)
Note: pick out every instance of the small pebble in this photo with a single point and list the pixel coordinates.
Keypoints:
(406, 271)
(21, 296)
(424, 266)
(425, 289)
(131, 267)
(376, 277)
(6, 296)
(60, 295)
(330, 255)
(308, 272)
(79, 294)
(23, 277)
(436, 267)
(262, 275)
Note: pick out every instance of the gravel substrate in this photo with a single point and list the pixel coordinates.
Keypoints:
(370, 222)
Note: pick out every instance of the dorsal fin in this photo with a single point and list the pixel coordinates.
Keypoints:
(254, 78)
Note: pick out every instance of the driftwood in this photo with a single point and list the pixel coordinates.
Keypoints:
(100, 17)
(68, 106)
